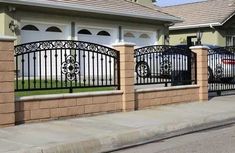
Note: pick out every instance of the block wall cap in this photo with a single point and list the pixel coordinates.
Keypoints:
(128, 44)
(66, 96)
(199, 47)
(7, 38)
(167, 88)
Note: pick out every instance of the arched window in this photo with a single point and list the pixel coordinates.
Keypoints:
(129, 34)
(53, 29)
(144, 36)
(84, 32)
(30, 28)
(103, 33)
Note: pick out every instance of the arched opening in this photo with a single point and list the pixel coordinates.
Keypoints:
(84, 32)
(53, 29)
(30, 28)
(129, 35)
(103, 33)
(146, 36)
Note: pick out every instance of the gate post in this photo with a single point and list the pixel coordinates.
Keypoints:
(126, 74)
(202, 71)
(7, 96)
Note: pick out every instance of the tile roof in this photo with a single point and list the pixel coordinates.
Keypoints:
(202, 13)
(113, 7)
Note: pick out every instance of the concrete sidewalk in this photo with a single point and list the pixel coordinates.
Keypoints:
(109, 132)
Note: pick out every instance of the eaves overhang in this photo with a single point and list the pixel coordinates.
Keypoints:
(88, 9)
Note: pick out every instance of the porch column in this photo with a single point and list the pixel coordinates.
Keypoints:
(202, 71)
(127, 74)
(7, 96)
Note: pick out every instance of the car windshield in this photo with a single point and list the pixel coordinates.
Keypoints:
(220, 50)
(213, 49)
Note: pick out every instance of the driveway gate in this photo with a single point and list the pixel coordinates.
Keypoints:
(221, 69)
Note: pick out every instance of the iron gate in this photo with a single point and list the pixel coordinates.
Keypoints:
(166, 65)
(221, 69)
(65, 64)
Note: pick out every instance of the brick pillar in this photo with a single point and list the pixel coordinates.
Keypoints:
(7, 96)
(202, 71)
(127, 74)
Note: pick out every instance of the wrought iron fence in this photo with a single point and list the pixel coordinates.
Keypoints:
(221, 69)
(65, 64)
(166, 65)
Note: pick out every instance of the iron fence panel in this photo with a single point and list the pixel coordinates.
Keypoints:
(166, 65)
(65, 64)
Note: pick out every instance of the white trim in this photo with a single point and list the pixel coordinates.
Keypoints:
(136, 30)
(44, 22)
(129, 44)
(195, 26)
(7, 38)
(228, 18)
(65, 96)
(87, 26)
(199, 47)
(167, 88)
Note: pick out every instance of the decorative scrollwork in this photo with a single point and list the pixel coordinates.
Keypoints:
(64, 44)
(165, 66)
(160, 49)
(219, 71)
(70, 68)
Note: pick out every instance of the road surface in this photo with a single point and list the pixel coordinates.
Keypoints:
(219, 140)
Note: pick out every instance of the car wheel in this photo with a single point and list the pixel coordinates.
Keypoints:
(210, 75)
(142, 69)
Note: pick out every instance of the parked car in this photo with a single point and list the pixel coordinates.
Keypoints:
(168, 62)
(221, 63)
(173, 63)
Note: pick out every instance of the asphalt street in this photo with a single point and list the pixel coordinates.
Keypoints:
(219, 140)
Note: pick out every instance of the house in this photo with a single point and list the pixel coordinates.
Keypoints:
(214, 18)
(103, 22)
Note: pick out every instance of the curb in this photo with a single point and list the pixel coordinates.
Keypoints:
(135, 137)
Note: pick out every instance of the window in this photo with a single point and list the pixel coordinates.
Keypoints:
(53, 29)
(30, 28)
(103, 33)
(144, 36)
(84, 32)
(129, 34)
(230, 40)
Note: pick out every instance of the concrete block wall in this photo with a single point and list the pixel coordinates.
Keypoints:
(7, 96)
(152, 97)
(49, 107)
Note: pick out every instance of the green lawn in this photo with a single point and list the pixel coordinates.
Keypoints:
(54, 84)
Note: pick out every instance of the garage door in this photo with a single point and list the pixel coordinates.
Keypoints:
(38, 32)
(41, 32)
(140, 38)
(104, 37)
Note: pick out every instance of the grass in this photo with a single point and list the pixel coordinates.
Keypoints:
(53, 84)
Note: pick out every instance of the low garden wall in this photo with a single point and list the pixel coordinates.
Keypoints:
(152, 97)
(48, 107)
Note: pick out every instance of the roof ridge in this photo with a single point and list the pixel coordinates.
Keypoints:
(153, 8)
(190, 3)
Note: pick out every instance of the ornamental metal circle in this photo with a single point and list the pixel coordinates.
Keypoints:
(142, 69)
(70, 68)
(219, 71)
(165, 66)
